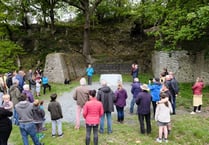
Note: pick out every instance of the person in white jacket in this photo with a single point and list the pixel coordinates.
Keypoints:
(162, 116)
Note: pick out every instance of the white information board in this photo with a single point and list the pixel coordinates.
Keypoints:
(111, 79)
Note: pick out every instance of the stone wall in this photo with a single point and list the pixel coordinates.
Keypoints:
(60, 66)
(186, 66)
(121, 68)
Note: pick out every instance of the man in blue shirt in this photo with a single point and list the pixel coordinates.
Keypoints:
(89, 72)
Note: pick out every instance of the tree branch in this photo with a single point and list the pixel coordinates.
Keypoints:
(95, 4)
(73, 3)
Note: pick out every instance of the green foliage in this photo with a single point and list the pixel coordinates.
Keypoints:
(9, 55)
(114, 10)
(180, 21)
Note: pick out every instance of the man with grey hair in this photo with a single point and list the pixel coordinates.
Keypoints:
(80, 96)
(107, 97)
(135, 89)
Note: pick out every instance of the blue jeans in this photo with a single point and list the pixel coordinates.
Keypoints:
(109, 122)
(120, 113)
(28, 129)
(132, 105)
(174, 104)
(15, 118)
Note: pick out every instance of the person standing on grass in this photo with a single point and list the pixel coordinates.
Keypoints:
(155, 87)
(15, 95)
(45, 84)
(89, 72)
(134, 70)
(120, 102)
(5, 125)
(38, 117)
(80, 96)
(197, 95)
(135, 89)
(107, 97)
(170, 84)
(92, 111)
(26, 90)
(55, 110)
(143, 100)
(26, 124)
(162, 116)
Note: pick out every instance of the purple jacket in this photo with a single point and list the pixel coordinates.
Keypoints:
(143, 100)
(135, 89)
(120, 97)
(29, 95)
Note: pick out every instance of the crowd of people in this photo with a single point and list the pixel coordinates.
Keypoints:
(160, 92)
(19, 106)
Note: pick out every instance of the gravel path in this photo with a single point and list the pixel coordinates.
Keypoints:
(69, 105)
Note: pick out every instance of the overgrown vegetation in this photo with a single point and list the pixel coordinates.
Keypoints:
(186, 129)
(116, 25)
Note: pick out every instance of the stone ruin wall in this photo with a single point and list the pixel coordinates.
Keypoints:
(187, 67)
(60, 66)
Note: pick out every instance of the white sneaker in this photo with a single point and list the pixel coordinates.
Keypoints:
(198, 111)
(159, 140)
(192, 112)
(165, 140)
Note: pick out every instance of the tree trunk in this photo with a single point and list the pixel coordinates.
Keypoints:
(86, 42)
(52, 17)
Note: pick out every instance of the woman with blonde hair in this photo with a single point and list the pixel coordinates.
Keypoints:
(120, 102)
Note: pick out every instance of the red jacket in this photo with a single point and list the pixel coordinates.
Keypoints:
(92, 111)
(197, 88)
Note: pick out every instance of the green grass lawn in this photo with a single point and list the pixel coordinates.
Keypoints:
(186, 129)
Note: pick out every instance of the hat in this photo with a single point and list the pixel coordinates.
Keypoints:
(144, 87)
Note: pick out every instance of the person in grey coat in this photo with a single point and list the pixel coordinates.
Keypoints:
(26, 124)
(55, 110)
(107, 97)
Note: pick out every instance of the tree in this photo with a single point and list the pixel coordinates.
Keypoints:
(9, 50)
(87, 7)
(9, 56)
(177, 22)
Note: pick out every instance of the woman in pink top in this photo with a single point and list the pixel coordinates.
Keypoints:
(92, 111)
(197, 95)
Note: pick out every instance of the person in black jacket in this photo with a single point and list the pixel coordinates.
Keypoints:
(5, 125)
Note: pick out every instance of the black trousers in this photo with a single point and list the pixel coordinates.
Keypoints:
(88, 134)
(4, 135)
(89, 80)
(154, 105)
(141, 118)
(46, 86)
